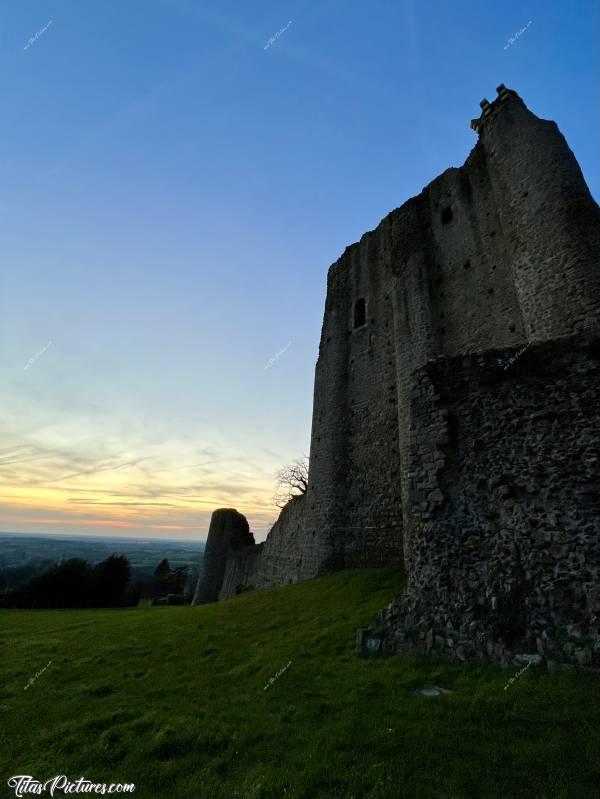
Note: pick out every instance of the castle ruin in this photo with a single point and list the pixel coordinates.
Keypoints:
(456, 410)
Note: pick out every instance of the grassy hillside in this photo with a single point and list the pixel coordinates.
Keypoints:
(173, 700)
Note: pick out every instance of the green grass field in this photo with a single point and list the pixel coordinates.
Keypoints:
(173, 700)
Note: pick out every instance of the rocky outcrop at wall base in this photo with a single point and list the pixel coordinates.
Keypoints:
(503, 555)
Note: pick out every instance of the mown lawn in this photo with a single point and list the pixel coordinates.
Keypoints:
(173, 700)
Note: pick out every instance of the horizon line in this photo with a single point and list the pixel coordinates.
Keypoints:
(83, 536)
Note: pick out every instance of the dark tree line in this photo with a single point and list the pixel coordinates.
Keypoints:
(76, 583)
(169, 580)
(13, 576)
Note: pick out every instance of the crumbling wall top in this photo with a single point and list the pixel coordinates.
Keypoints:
(487, 108)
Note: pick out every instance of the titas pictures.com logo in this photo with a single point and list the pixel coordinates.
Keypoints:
(25, 784)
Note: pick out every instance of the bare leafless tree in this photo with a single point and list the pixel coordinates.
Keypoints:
(292, 481)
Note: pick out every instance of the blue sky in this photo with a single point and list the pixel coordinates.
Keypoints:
(176, 178)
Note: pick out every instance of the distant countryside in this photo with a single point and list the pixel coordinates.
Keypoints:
(65, 571)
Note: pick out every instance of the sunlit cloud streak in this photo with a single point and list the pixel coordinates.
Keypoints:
(68, 487)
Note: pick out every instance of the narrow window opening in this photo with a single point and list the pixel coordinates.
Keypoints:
(360, 313)
(446, 215)
(467, 265)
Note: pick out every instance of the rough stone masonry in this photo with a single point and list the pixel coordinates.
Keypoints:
(456, 409)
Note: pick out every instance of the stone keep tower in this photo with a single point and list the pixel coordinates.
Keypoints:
(497, 253)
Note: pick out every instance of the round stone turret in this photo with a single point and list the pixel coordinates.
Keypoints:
(228, 530)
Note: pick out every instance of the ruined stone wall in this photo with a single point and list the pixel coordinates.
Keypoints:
(281, 556)
(505, 490)
(274, 562)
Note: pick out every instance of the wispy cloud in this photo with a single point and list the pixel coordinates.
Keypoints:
(88, 501)
(93, 483)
